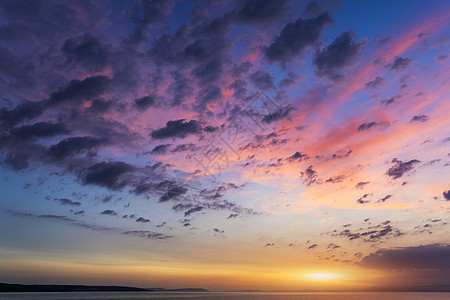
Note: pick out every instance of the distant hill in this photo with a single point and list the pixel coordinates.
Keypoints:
(10, 288)
(196, 290)
(426, 288)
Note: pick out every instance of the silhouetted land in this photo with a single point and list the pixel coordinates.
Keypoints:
(21, 288)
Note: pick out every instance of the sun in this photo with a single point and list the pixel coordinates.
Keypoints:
(322, 276)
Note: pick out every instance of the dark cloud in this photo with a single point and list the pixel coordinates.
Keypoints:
(232, 216)
(146, 14)
(193, 210)
(400, 63)
(295, 37)
(210, 129)
(216, 230)
(341, 154)
(39, 130)
(333, 246)
(434, 256)
(24, 111)
(281, 113)
(262, 80)
(148, 234)
(160, 149)
(446, 195)
(310, 176)
(420, 118)
(100, 105)
(390, 100)
(184, 147)
(80, 90)
(86, 51)
(339, 54)
(65, 201)
(109, 212)
(172, 192)
(143, 103)
(367, 126)
(142, 220)
(401, 167)
(260, 11)
(70, 221)
(316, 7)
(239, 70)
(107, 174)
(298, 156)
(313, 246)
(384, 199)
(74, 145)
(378, 81)
(360, 185)
(363, 199)
(177, 129)
(15, 162)
(371, 234)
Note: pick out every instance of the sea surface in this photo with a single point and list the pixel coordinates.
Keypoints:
(221, 296)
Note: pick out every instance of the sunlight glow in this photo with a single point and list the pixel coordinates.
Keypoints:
(322, 276)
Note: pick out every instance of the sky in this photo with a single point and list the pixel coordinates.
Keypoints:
(271, 145)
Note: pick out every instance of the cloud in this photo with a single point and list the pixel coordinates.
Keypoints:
(401, 167)
(378, 81)
(313, 246)
(295, 37)
(232, 216)
(79, 90)
(148, 234)
(107, 174)
(371, 234)
(177, 129)
(172, 192)
(434, 256)
(86, 51)
(360, 185)
(262, 80)
(74, 145)
(310, 176)
(446, 195)
(367, 126)
(279, 114)
(298, 156)
(142, 220)
(339, 54)
(216, 230)
(39, 130)
(193, 210)
(160, 149)
(260, 11)
(400, 63)
(420, 118)
(390, 100)
(146, 14)
(363, 199)
(65, 201)
(23, 111)
(15, 162)
(384, 199)
(143, 103)
(109, 212)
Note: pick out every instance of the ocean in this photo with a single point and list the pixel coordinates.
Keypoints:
(221, 296)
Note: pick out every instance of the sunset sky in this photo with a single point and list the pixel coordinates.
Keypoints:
(271, 145)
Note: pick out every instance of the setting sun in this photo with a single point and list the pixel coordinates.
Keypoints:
(322, 276)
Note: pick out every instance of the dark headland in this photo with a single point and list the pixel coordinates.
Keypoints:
(37, 288)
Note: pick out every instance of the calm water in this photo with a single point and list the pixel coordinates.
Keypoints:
(224, 296)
